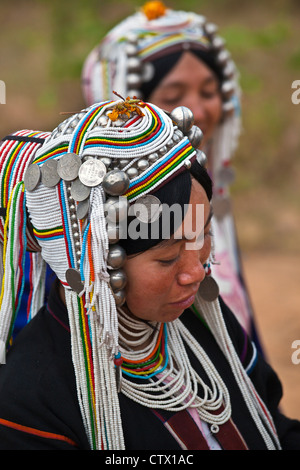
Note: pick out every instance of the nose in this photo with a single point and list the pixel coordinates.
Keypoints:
(191, 270)
(197, 105)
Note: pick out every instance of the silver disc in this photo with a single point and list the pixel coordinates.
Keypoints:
(92, 172)
(68, 166)
(208, 289)
(74, 280)
(221, 206)
(32, 177)
(227, 175)
(50, 177)
(83, 208)
(79, 191)
(147, 208)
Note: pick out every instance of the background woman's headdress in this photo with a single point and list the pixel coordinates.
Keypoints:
(123, 61)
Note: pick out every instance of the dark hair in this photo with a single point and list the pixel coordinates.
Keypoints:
(164, 64)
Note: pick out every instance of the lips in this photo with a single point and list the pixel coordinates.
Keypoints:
(186, 302)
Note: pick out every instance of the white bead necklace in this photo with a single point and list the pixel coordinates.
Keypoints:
(176, 388)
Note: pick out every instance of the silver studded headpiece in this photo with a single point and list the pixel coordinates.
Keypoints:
(122, 61)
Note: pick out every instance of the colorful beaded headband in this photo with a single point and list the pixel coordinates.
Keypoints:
(150, 33)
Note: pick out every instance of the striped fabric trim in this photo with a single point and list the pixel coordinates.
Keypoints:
(50, 234)
(161, 170)
(37, 432)
(154, 46)
(53, 153)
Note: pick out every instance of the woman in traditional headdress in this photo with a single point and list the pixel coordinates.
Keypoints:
(134, 349)
(174, 58)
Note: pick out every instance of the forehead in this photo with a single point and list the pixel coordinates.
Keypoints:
(181, 72)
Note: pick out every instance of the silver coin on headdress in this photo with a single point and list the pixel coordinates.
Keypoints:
(50, 177)
(83, 208)
(147, 209)
(92, 172)
(32, 177)
(79, 191)
(68, 166)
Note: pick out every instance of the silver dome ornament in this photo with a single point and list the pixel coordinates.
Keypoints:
(228, 108)
(132, 38)
(131, 50)
(223, 57)
(201, 157)
(134, 64)
(116, 257)
(132, 172)
(107, 161)
(228, 89)
(134, 80)
(116, 209)
(195, 136)
(163, 150)
(218, 43)
(119, 298)
(210, 29)
(153, 157)
(188, 164)
(183, 117)
(115, 183)
(117, 279)
(122, 163)
(229, 70)
(142, 164)
(113, 233)
(102, 121)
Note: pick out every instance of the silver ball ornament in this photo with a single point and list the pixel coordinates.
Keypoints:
(134, 80)
(134, 64)
(113, 233)
(119, 298)
(116, 257)
(115, 183)
(117, 280)
(195, 136)
(228, 89)
(132, 172)
(116, 209)
(183, 117)
(201, 157)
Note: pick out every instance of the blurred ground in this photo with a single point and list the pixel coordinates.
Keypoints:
(43, 44)
(273, 282)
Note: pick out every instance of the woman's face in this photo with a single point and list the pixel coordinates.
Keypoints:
(163, 281)
(191, 83)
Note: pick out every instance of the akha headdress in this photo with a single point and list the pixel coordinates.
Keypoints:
(56, 190)
(123, 61)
